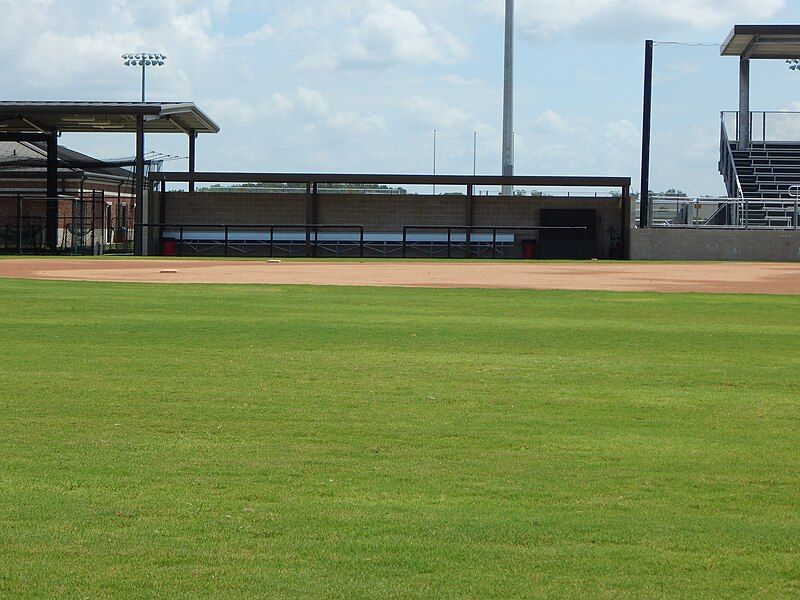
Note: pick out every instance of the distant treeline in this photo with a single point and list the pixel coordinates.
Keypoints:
(293, 187)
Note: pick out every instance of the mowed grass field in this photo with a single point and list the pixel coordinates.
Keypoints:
(233, 441)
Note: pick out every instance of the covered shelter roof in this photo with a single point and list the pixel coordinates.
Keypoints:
(87, 117)
(763, 42)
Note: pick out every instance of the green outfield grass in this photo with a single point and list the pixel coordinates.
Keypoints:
(234, 441)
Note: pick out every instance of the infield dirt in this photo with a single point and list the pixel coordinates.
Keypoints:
(750, 278)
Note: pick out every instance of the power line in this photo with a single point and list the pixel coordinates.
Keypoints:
(692, 44)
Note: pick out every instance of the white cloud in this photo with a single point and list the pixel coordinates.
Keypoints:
(256, 36)
(543, 19)
(313, 101)
(458, 80)
(435, 112)
(378, 34)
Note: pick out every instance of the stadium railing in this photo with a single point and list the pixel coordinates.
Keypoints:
(187, 239)
(724, 213)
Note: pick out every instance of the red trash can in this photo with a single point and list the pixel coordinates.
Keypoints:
(168, 248)
(529, 249)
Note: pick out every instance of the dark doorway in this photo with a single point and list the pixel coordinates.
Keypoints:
(569, 245)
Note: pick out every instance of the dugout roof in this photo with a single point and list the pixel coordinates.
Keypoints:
(763, 41)
(95, 117)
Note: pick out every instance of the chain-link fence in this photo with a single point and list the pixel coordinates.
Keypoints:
(765, 126)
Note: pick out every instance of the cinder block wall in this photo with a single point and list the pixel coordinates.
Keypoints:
(709, 244)
(220, 208)
(386, 213)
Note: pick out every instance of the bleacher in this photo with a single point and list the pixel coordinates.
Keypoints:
(766, 175)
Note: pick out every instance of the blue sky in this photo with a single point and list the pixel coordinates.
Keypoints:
(359, 85)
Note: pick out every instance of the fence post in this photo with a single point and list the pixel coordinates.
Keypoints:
(449, 230)
(494, 242)
(94, 221)
(747, 214)
(271, 241)
(405, 228)
(180, 242)
(19, 224)
(361, 242)
(226, 241)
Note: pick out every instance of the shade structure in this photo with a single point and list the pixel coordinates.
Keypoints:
(768, 42)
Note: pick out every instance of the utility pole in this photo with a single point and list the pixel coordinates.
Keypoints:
(508, 99)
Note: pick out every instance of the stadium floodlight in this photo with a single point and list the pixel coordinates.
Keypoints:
(144, 60)
(794, 64)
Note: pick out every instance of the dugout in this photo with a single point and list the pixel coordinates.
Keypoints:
(320, 221)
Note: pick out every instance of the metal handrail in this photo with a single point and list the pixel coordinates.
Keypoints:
(730, 162)
(789, 212)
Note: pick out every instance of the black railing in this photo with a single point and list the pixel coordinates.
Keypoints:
(474, 241)
(186, 239)
(276, 241)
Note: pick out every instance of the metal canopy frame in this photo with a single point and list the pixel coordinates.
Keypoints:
(405, 179)
(118, 117)
(767, 42)
(45, 121)
(757, 42)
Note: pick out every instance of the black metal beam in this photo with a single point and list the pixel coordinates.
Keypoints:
(51, 227)
(405, 179)
(10, 136)
(64, 175)
(138, 241)
(192, 142)
(647, 113)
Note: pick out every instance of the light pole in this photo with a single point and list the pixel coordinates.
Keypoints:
(434, 159)
(474, 153)
(794, 64)
(508, 99)
(144, 60)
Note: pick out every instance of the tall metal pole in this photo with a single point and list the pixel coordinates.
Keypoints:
(475, 153)
(644, 194)
(143, 67)
(508, 100)
(434, 159)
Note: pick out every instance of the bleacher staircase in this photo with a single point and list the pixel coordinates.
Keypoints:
(768, 173)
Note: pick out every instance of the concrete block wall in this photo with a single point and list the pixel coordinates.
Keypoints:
(220, 208)
(711, 244)
(384, 214)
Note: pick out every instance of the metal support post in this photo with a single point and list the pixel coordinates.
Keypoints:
(19, 224)
(51, 228)
(644, 194)
(469, 218)
(745, 122)
(192, 142)
(139, 241)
